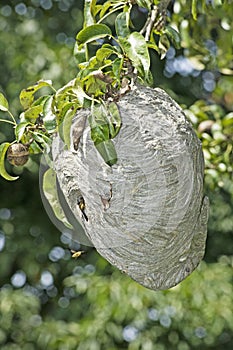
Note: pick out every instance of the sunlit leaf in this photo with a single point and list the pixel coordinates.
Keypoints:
(96, 9)
(66, 126)
(103, 53)
(87, 67)
(49, 118)
(122, 24)
(3, 149)
(41, 100)
(116, 49)
(64, 108)
(65, 98)
(104, 8)
(49, 186)
(65, 88)
(79, 53)
(92, 33)
(20, 129)
(27, 95)
(4, 106)
(89, 19)
(136, 49)
(81, 95)
(95, 86)
(164, 45)
(152, 45)
(33, 113)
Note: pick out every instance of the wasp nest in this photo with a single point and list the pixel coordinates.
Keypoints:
(146, 214)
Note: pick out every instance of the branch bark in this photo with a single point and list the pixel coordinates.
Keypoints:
(156, 19)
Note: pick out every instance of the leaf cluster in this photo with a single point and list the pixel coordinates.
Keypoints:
(215, 130)
(115, 63)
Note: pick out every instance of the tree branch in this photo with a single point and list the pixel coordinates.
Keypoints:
(156, 19)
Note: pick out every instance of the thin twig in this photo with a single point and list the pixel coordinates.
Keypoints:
(155, 14)
(7, 121)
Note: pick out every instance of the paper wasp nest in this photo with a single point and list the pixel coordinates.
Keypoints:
(146, 214)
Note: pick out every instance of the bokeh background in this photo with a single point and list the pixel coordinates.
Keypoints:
(49, 300)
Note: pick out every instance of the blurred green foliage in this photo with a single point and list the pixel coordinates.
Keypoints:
(112, 312)
(47, 299)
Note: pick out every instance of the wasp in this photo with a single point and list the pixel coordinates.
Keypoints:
(76, 254)
(81, 204)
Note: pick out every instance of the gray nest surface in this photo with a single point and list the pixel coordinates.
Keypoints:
(147, 214)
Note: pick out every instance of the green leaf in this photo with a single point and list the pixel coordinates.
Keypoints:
(81, 95)
(33, 113)
(194, 9)
(41, 100)
(99, 133)
(99, 114)
(148, 79)
(116, 49)
(35, 148)
(105, 123)
(79, 53)
(117, 66)
(49, 118)
(114, 119)
(107, 151)
(122, 24)
(136, 49)
(96, 9)
(66, 106)
(3, 149)
(4, 106)
(152, 45)
(89, 6)
(92, 33)
(104, 7)
(27, 95)
(66, 126)
(49, 186)
(43, 141)
(144, 3)
(65, 98)
(94, 86)
(164, 45)
(41, 138)
(174, 36)
(20, 129)
(71, 93)
(65, 88)
(98, 124)
(103, 53)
